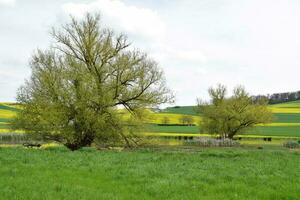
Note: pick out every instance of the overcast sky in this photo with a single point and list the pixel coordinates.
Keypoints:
(198, 43)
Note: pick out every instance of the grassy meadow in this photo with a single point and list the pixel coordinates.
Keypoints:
(173, 173)
(90, 122)
(164, 168)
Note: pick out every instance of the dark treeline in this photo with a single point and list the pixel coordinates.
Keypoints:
(279, 97)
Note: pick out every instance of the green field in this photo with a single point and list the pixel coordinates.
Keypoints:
(293, 131)
(5, 119)
(7, 111)
(185, 110)
(287, 117)
(284, 113)
(286, 120)
(174, 129)
(294, 104)
(4, 126)
(151, 174)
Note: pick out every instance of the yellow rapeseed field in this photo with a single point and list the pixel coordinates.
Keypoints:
(7, 114)
(284, 110)
(280, 124)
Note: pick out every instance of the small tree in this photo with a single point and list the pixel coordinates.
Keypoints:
(165, 120)
(80, 82)
(228, 116)
(186, 120)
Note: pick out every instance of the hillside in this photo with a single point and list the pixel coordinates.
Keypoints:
(286, 120)
(184, 110)
(285, 111)
(7, 112)
(293, 104)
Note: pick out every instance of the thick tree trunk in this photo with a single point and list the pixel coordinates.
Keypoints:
(86, 141)
(231, 135)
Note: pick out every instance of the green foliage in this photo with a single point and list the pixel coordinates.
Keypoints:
(187, 120)
(228, 116)
(78, 84)
(175, 173)
(158, 118)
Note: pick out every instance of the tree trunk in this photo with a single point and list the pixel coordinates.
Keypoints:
(231, 135)
(86, 141)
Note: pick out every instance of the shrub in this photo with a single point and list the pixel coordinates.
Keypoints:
(14, 138)
(210, 142)
(292, 144)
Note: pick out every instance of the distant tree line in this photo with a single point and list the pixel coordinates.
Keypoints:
(279, 97)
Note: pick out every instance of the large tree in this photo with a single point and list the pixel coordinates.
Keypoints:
(228, 116)
(79, 83)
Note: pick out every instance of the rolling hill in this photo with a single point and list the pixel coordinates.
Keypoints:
(286, 120)
(7, 112)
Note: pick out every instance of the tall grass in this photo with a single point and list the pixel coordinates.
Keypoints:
(232, 173)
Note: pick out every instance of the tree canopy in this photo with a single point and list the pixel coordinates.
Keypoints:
(79, 83)
(228, 116)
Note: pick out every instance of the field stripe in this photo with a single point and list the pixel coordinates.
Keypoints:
(284, 110)
(280, 124)
(208, 135)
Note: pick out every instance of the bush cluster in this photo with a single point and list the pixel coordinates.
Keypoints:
(210, 142)
(13, 138)
(292, 144)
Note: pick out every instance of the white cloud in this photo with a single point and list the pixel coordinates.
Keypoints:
(7, 2)
(191, 55)
(198, 43)
(136, 21)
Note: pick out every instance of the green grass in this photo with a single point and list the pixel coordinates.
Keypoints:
(293, 131)
(232, 173)
(4, 126)
(8, 107)
(5, 120)
(287, 117)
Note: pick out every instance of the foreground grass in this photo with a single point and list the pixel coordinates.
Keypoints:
(149, 174)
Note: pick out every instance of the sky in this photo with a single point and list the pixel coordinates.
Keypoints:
(198, 43)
